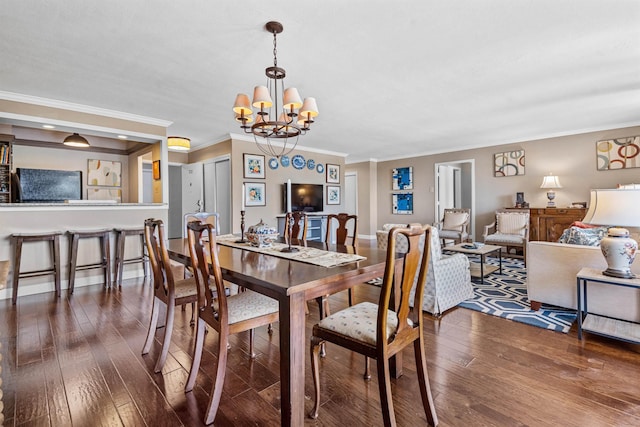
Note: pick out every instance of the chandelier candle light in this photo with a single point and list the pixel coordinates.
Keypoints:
(550, 182)
(620, 208)
(282, 115)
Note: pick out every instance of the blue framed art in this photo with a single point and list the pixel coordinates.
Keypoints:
(402, 178)
(402, 203)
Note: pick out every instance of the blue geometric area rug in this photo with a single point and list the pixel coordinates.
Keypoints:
(505, 295)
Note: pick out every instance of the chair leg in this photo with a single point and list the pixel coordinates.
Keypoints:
(197, 356)
(168, 330)
(350, 296)
(270, 329)
(193, 314)
(367, 373)
(153, 323)
(221, 367)
(423, 380)
(315, 370)
(251, 335)
(386, 400)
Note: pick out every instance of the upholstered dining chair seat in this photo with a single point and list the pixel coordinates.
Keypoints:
(185, 288)
(248, 305)
(359, 322)
(449, 234)
(504, 238)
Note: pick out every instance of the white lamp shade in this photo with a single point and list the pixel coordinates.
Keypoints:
(178, 143)
(292, 98)
(260, 118)
(242, 105)
(616, 207)
(550, 181)
(261, 97)
(309, 107)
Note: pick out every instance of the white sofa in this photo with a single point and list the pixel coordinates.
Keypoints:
(448, 277)
(551, 279)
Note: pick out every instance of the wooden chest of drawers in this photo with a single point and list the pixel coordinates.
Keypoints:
(547, 224)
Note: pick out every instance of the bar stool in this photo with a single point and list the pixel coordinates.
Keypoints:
(104, 263)
(54, 243)
(121, 236)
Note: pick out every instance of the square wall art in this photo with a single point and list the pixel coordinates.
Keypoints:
(510, 163)
(402, 203)
(402, 178)
(620, 153)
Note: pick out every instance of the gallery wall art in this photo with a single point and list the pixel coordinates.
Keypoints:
(619, 153)
(509, 163)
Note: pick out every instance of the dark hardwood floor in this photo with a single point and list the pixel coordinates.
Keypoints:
(76, 361)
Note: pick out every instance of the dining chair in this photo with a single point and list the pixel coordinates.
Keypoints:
(226, 314)
(167, 289)
(454, 225)
(300, 225)
(207, 217)
(382, 330)
(345, 222)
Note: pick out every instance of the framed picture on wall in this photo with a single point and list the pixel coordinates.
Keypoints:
(104, 173)
(333, 195)
(254, 194)
(156, 169)
(333, 174)
(402, 203)
(509, 163)
(253, 166)
(619, 153)
(402, 178)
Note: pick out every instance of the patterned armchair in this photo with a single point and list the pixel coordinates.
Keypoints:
(448, 278)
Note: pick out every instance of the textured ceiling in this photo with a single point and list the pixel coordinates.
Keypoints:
(392, 79)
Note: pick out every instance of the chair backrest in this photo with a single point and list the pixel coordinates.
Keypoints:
(513, 221)
(456, 219)
(212, 218)
(299, 229)
(414, 270)
(154, 237)
(342, 232)
(206, 267)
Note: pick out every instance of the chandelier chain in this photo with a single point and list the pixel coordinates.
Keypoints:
(275, 51)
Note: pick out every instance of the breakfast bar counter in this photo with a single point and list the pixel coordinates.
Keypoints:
(51, 217)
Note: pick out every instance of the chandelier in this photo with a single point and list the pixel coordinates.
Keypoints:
(281, 115)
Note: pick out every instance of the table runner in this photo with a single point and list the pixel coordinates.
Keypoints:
(305, 254)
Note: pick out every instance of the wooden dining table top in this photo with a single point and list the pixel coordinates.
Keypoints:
(278, 277)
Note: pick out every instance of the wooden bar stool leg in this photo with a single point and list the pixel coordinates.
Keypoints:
(120, 257)
(106, 259)
(73, 259)
(16, 267)
(55, 256)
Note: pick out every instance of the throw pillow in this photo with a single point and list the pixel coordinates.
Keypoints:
(454, 220)
(512, 222)
(583, 236)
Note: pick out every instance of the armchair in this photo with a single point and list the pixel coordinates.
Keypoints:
(511, 230)
(454, 225)
(448, 277)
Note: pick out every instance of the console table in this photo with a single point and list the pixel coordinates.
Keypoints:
(547, 224)
(601, 325)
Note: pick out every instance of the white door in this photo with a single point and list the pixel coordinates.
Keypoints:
(217, 191)
(351, 193)
(192, 195)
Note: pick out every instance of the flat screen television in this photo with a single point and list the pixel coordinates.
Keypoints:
(304, 197)
(47, 185)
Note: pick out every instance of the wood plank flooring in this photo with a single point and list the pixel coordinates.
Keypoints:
(76, 361)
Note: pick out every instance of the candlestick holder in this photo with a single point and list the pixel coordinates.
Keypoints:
(290, 249)
(242, 240)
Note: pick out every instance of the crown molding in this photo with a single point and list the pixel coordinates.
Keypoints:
(247, 138)
(80, 108)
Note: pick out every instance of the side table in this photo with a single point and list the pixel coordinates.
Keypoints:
(601, 325)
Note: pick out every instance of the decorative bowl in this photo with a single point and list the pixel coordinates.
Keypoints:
(261, 235)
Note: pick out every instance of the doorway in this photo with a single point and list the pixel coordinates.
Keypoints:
(217, 190)
(455, 188)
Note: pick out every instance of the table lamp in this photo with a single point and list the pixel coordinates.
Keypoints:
(618, 208)
(550, 182)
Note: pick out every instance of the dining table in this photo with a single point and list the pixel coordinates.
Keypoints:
(293, 283)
